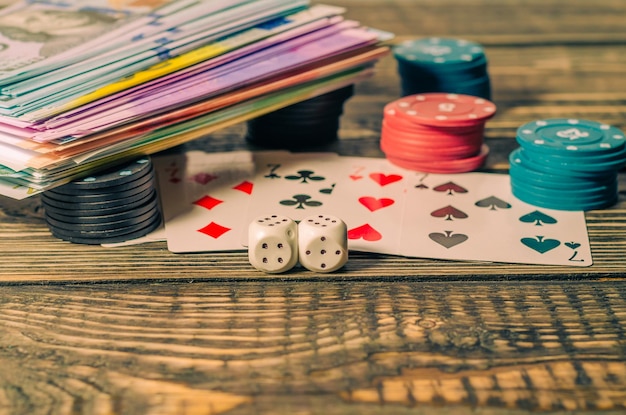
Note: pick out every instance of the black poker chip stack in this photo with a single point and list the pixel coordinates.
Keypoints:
(310, 123)
(113, 206)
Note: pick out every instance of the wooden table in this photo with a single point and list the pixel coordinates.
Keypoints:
(138, 330)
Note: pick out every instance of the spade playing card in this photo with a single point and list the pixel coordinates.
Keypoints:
(474, 216)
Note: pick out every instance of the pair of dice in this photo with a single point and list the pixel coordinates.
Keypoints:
(276, 243)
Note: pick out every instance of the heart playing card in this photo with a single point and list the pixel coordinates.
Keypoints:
(370, 200)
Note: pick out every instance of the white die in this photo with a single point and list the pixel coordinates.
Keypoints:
(322, 243)
(273, 243)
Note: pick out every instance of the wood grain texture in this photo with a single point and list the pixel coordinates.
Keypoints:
(256, 347)
(139, 330)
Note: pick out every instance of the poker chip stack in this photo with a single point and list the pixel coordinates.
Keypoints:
(443, 65)
(436, 132)
(309, 123)
(116, 205)
(567, 164)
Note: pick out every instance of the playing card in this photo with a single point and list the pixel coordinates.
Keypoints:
(371, 198)
(474, 216)
(293, 185)
(205, 198)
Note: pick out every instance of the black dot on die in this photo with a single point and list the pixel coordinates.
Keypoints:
(337, 252)
(264, 246)
(280, 260)
(323, 238)
(323, 251)
(308, 252)
(323, 265)
(265, 260)
(279, 246)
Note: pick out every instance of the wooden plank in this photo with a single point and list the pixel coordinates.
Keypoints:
(493, 20)
(316, 347)
(206, 334)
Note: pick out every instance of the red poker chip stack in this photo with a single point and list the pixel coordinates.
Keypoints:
(436, 132)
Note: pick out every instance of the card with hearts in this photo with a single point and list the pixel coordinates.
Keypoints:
(475, 216)
(210, 199)
(370, 200)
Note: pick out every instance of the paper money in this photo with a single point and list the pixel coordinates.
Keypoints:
(33, 31)
(115, 75)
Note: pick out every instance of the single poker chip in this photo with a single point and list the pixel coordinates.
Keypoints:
(480, 90)
(595, 159)
(560, 204)
(526, 159)
(460, 150)
(415, 151)
(553, 186)
(103, 205)
(557, 182)
(138, 180)
(106, 233)
(112, 177)
(438, 141)
(580, 193)
(302, 115)
(442, 109)
(442, 52)
(421, 73)
(97, 218)
(444, 167)
(571, 137)
(452, 134)
(89, 197)
(102, 226)
(610, 162)
(288, 126)
(97, 209)
(78, 239)
(408, 125)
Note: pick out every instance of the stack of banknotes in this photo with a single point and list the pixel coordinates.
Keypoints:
(86, 84)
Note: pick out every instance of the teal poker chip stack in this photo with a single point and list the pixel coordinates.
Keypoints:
(567, 164)
(443, 65)
(115, 205)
